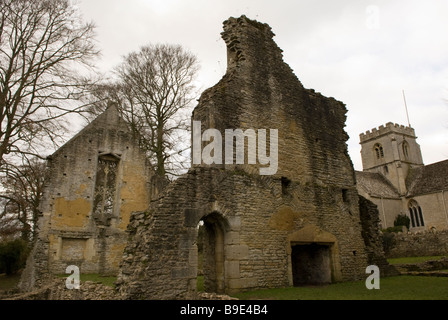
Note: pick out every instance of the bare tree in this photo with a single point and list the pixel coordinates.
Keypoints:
(44, 48)
(154, 91)
(20, 198)
(10, 227)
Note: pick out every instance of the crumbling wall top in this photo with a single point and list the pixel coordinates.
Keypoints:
(233, 26)
(244, 38)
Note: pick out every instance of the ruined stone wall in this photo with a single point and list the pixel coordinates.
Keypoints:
(254, 222)
(160, 261)
(372, 236)
(422, 243)
(258, 224)
(94, 183)
(260, 91)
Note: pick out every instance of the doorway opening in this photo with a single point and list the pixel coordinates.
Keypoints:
(311, 264)
(211, 253)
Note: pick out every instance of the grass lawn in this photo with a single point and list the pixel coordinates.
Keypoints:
(391, 288)
(413, 259)
(94, 277)
(107, 281)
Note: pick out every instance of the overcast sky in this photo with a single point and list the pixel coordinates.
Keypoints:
(363, 53)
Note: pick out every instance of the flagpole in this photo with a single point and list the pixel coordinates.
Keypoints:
(406, 107)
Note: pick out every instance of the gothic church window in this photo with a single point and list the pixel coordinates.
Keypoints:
(416, 214)
(105, 186)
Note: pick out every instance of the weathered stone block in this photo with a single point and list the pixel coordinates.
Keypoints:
(232, 269)
(237, 252)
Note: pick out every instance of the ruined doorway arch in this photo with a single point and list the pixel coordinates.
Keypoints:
(215, 227)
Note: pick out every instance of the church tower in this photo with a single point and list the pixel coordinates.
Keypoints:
(391, 150)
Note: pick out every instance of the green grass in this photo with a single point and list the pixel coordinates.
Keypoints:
(391, 288)
(94, 277)
(106, 280)
(200, 283)
(413, 259)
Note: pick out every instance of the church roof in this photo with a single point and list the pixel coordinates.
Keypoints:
(376, 185)
(428, 179)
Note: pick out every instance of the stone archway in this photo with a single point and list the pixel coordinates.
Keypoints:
(215, 229)
(313, 257)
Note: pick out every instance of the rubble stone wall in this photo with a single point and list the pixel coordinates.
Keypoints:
(422, 243)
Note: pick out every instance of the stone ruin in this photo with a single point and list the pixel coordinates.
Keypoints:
(95, 181)
(301, 225)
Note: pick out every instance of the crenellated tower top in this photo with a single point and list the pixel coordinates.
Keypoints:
(385, 130)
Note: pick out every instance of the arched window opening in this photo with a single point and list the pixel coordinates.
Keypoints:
(405, 149)
(420, 214)
(105, 187)
(416, 214)
(379, 151)
(211, 253)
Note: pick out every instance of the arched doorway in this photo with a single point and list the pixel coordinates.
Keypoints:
(211, 241)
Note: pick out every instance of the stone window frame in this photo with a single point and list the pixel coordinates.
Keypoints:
(379, 151)
(416, 214)
(111, 157)
(71, 236)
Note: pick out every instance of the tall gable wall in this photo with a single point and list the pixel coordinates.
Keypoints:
(94, 183)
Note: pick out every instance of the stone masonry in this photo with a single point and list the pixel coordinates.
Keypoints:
(423, 243)
(94, 183)
(301, 225)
